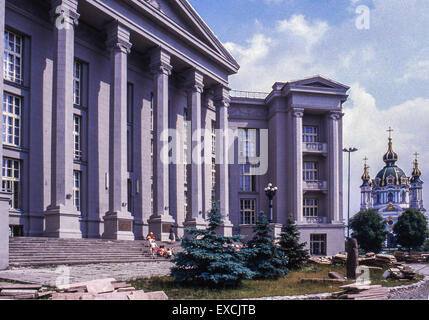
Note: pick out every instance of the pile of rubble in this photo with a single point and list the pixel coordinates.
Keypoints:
(404, 273)
(412, 257)
(320, 260)
(378, 260)
(370, 259)
(102, 289)
(22, 291)
(361, 292)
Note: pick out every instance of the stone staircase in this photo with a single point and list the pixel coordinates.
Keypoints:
(26, 251)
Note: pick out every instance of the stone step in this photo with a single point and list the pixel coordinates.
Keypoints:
(52, 251)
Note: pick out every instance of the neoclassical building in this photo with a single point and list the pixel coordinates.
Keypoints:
(118, 120)
(392, 192)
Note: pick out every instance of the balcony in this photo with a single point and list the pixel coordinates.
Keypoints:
(315, 147)
(316, 220)
(315, 185)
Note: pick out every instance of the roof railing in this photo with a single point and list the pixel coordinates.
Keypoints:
(248, 94)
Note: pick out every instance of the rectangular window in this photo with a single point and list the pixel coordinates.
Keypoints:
(130, 103)
(213, 138)
(12, 109)
(151, 110)
(130, 195)
(247, 179)
(77, 83)
(248, 211)
(151, 178)
(13, 55)
(185, 202)
(311, 171)
(311, 208)
(12, 180)
(77, 137)
(318, 244)
(310, 134)
(213, 193)
(247, 142)
(130, 127)
(77, 179)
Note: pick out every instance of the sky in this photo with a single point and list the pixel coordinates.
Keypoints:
(378, 48)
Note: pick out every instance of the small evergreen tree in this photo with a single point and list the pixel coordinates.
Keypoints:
(369, 230)
(266, 258)
(209, 259)
(295, 252)
(411, 230)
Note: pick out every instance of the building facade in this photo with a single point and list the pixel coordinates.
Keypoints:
(118, 120)
(392, 192)
(302, 121)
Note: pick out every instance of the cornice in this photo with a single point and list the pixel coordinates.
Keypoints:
(157, 41)
(186, 35)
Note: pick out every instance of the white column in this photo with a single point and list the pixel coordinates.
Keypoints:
(118, 222)
(222, 102)
(334, 166)
(297, 115)
(61, 217)
(161, 221)
(195, 88)
(4, 197)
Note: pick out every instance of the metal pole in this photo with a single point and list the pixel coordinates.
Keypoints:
(348, 211)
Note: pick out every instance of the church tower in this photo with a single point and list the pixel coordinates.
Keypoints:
(366, 189)
(416, 188)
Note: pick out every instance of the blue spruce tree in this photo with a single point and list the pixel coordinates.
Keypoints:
(267, 259)
(209, 259)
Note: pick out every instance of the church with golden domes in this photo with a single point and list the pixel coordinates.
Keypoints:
(391, 192)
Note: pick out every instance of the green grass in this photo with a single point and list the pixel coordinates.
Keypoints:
(290, 285)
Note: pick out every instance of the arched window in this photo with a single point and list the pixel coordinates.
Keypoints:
(404, 197)
(390, 197)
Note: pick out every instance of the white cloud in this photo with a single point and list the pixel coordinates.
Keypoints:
(417, 70)
(300, 27)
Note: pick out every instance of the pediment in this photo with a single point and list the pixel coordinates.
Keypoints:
(320, 82)
(185, 16)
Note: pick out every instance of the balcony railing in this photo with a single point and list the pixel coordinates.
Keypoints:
(316, 220)
(315, 147)
(315, 185)
(248, 94)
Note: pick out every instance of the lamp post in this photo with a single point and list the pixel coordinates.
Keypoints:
(349, 151)
(271, 191)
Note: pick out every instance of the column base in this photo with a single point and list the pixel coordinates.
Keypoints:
(160, 226)
(61, 222)
(4, 230)
(118, 226)
(197, 223)
(226, 228)
(277, 230)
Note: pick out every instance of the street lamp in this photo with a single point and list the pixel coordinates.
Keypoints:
(271, 191)
(349, 151)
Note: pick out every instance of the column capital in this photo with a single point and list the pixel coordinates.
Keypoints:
(336, 115)
(118, 38)
(222, 96)
(64, 13)
(194, 81)
(160, 62)
(297, 112)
